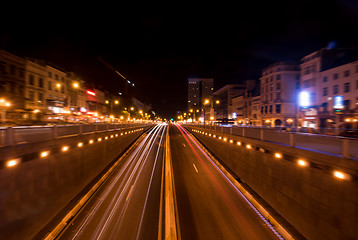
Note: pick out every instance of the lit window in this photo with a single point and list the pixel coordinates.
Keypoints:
(347, 87)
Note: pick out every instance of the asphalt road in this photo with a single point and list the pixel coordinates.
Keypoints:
(209, 207)
(130, 205)
(127, 205)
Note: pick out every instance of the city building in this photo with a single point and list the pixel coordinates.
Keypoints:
(56, 91)
(35, 89)
(238, 105)
(255, 111)
(200, 98)
(96, 102)
(76, 93)
(326, 74)
(278, 88)
(12, 86)
(242, 105)
(223, 101)
(337, 96)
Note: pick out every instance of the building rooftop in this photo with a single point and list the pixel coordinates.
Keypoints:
(228, 87)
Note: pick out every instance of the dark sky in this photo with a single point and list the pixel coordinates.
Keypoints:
(160, 46)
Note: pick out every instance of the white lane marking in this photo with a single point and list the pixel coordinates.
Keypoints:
(195, 168)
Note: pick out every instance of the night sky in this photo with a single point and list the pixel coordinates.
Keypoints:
(160, 46)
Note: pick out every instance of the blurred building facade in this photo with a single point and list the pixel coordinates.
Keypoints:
(12, 85)
(242, 105)
(279, 85)
(223, 101)
(329, 76)
(34, 89)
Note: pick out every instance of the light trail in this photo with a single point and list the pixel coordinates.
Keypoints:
(141, 147)
(114, 209)
(195, 168)
(149, 186)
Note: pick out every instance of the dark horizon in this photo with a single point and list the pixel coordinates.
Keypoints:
(159, 51)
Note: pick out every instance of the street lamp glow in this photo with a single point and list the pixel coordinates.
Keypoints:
(75, 85)
(302, 163)
(341, 175)
(44, 154)
(206, 101)
(13, 162)
(116, 102)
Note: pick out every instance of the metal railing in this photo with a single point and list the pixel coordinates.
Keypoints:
(25, 134)
(337, 145)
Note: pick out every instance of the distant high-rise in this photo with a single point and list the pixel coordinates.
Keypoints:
(200, 95)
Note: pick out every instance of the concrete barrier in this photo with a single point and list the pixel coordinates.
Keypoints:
(38, 180)
(317, 193)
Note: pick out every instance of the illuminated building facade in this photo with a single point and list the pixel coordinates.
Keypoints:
(12, 85)
(200, 97)
(326, 75)
(279, 85)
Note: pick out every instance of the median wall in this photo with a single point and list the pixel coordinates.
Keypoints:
(37, 180)
(317, 193)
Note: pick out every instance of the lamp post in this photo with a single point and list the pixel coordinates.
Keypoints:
(206, 102)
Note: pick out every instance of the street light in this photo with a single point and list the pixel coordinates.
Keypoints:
(3, 106)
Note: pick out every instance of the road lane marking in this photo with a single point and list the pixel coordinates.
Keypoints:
(267, 218)
(184, 145)
(195, 168)
(160, 227)
(130, 190)
(172, 229)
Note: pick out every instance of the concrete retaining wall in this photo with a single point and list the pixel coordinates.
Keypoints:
(318, 204)
(34, 191)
